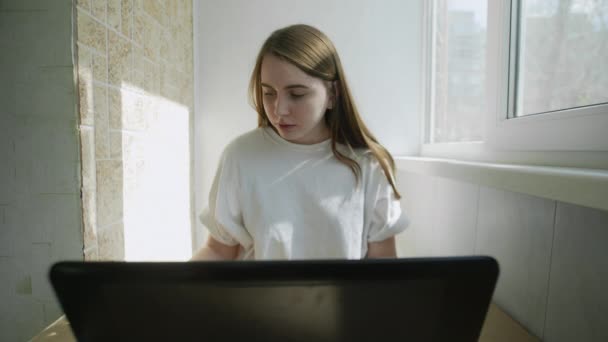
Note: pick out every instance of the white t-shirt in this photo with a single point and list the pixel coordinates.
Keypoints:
(281, 200)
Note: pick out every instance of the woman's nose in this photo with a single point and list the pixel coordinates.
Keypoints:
(282, 106)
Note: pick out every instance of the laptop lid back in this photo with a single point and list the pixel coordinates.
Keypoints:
(419, 299)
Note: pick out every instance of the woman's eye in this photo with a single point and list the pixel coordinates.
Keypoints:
(297, 95)
(268, 94)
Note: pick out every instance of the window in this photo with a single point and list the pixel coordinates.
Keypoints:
(562, 55)
(505, 78)
(458, 62)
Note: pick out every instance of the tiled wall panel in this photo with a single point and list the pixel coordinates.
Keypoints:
(455, 217)
(417, 197)
(577, 308)
(40, 211)
(134, 56)
(517, 230)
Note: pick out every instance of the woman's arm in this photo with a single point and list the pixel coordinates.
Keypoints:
(215, 250)
(382, 249)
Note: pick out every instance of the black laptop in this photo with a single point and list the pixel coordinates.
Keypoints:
(414, 299)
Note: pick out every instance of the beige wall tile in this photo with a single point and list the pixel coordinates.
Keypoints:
(91, 254)
(126, 16)
(138, 79)
(85, 86)
(165, 79)
(189, 61)
(185, 90)
(174, 75)
(132, 146)
(102, 137)
(100, 68)
(171, 7)
(173, 94)
(165, 45)
(114, 14)
(85, 59)
(111, 243)
(134, 170)
(131, 198)
(89, 215)
(185, 34)
(133, 110)
(149, 58)
(115, 109)
(172, 46)
(152, 32)
(155, 9)
(138, 68)
(109, 192)
(127, 110)
(151, 77)
(90, 32)
(98, 9)
(138, 27)
(186, 21)
(116, 142)
(87, 148)
(84, 4)
(139, 58)
(182, 8)
(181, 59)
(182, 48)
(151, 106)
(120, 60)
(129, 169)
(85, 93)
(188, 7)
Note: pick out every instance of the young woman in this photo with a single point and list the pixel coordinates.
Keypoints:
(311, 181)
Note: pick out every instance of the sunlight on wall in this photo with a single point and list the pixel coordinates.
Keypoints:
(156, 172)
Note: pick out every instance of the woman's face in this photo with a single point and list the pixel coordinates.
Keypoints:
(294, 101)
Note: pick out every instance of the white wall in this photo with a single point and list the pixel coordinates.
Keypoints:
(379, 45)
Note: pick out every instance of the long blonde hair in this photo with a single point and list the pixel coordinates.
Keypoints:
(310, 50)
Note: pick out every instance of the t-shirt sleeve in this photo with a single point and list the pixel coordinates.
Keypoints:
(384, 215)
(223, 216)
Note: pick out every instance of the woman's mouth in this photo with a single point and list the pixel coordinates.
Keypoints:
(286, 126)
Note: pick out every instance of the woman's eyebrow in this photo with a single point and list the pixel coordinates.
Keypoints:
(291, 86)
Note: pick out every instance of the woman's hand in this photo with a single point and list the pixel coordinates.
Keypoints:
(382, 249)
(215, 250)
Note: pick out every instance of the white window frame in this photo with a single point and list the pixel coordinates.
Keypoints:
(574, 137)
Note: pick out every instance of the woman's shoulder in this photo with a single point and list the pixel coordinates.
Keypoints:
(362, 155)
(370, 165)
(245, 143)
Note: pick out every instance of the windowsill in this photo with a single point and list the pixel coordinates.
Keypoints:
(585, 187)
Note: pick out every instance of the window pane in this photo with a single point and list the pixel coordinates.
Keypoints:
(458, 79)
(563, 57)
